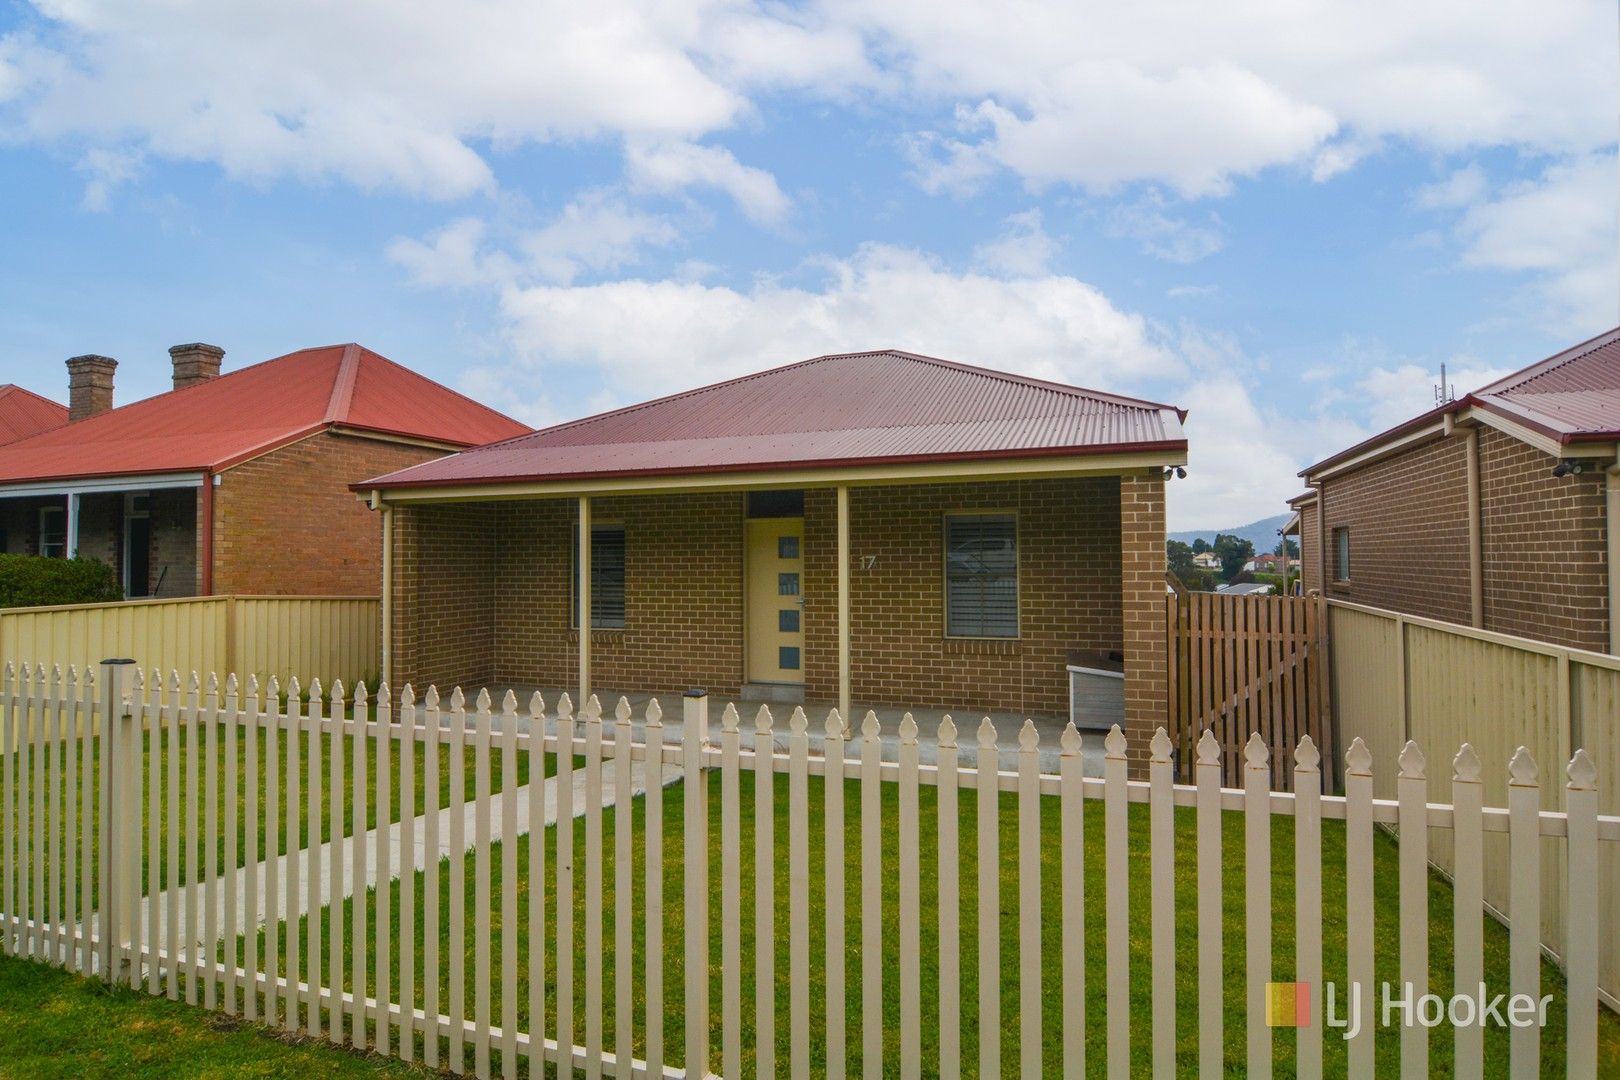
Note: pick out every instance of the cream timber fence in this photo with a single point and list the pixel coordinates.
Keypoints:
(559, 950)
(333, 637)
(1400, 677)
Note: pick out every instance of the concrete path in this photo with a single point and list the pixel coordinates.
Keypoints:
(342, 862)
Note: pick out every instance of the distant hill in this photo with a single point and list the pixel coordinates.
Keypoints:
(1262, 534)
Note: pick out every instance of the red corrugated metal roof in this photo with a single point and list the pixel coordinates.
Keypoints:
(1571, 397)
(852, 408)
(24, 413)
(217, 423)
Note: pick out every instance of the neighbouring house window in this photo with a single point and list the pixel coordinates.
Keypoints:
(981, 576)
(607, 578)
(1341, 554)
(53, 531)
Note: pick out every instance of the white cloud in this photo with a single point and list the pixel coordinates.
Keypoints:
(401, 95)
(1463, 187)
(595, 233)
(107, 169)
(1163, 236)
(1237, 467)
(669, 167)
(1022, 250)
(1560, 227)
(689, 333)
(416, 97)
(1193, 96)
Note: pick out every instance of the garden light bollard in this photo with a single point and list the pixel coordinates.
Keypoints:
(117, 819)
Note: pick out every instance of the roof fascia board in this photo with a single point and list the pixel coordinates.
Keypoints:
(867, 475)
(101, 484)
(1416, 437)
(1531, 437)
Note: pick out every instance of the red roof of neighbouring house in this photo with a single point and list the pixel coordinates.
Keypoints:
(1571, 397)
(24, 413)
(841, 410)
(244, 413)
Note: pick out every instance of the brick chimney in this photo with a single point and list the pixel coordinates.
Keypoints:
(195, 363)
(90, 385)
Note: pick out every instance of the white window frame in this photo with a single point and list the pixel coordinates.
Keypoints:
(60, 514)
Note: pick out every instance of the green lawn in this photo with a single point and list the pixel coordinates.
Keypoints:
(278, 828)
(57, 1026)
(1386, 962)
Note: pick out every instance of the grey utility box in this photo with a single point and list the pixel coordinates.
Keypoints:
(1096, 690)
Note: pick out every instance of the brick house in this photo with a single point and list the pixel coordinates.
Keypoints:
(875, 528)
(1492, 510)
(233, 483)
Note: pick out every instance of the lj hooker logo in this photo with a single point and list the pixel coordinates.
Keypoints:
(1289, 1005)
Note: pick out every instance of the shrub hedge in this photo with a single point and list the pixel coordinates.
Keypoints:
(36, 581)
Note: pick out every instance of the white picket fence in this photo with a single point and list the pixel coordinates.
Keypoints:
(197, 770)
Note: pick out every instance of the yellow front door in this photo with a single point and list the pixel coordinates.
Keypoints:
(776, 600)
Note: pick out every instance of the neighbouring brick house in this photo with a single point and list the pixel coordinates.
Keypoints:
(875, 528)
(1492, 511)
(233, 483)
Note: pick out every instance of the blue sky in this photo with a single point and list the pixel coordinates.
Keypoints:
(1285, 223)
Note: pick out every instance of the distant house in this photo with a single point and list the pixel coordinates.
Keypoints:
(1207, 560)
(876, 528)
(1269, 564)
(1499, 510)
(24, 413)
(1248, 588)
(233, 482)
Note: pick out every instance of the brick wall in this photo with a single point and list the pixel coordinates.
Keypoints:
(684, 594)
(1068, 597)
(444, 596)
(1545, 548)
(286, 523)
(1408, 522)
(1543, 539)
(1310, 556)
(1142, 592)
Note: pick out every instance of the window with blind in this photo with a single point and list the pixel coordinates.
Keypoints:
(607, 578)
(981, 576)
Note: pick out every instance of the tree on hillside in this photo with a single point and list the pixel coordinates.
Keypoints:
(1180, 558)
(1233, 551)
(1287, 546)
(1199, 545)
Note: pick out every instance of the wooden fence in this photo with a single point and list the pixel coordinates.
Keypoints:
(1400, 677)
(93, 851)
(1245, 664)
(333, 637)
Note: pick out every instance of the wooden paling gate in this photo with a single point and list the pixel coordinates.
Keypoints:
(1242, 664)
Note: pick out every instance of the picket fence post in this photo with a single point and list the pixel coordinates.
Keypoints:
(694, 732)
(114, 940)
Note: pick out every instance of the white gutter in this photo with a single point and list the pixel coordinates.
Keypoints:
(102, 484)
